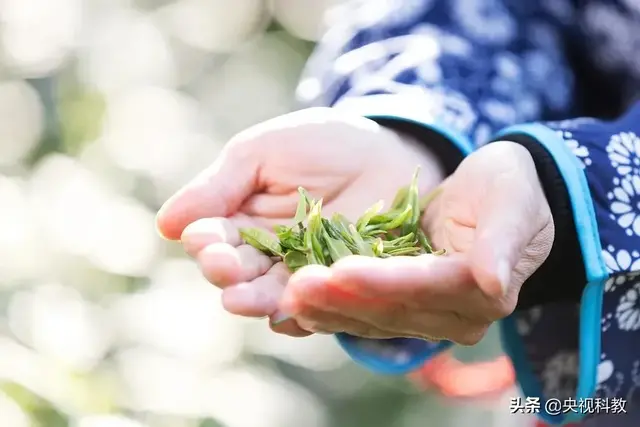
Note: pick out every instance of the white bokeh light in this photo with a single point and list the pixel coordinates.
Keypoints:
(151, 130)
(66, 197)
(38, 35)
(214, 25)
(125, 49)
(304, 20)
(12, 414)
(181, 315)
(20, 250)
(266, 70)
(251, 396)
(22, 121)
(81, 217)
(60, 324)
(157, 382)
(124, 239)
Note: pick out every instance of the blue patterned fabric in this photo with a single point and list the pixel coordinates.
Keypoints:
(474, 69)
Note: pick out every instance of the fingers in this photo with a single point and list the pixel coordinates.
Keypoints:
(252, 285)
(512, 214)
(401, 278)
(223, 259)
(313, 296)
(260, 298)
(223, 265)
(216, 192)
(197, 235)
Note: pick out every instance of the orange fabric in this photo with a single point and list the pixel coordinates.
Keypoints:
(453, 378)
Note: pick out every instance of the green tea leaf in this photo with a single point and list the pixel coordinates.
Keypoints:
(363, 248)
(340, 221)
(342, 224)
(334, 233)
(378, 247)
(295, 260)
(293, 242)
(424, 241)
(337, 249)
(405, 251)
(281, 230)
(399, 220)
(408, 240)
(386, 217)
(317, 240)
(301, 210)
(368, 214)
(314, 231)
(261, 240)
(413, 199)
(400, 198)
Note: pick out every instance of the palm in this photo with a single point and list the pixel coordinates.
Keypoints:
(350, 163)
(473, 199)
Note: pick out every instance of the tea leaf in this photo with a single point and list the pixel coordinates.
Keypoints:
(281, 230)
(337, 249)
(301, 210)
(295, 260)
(413, 200)
(342, 224)
(399, 220)
(317, 240)
(261, 240)
(408, 240)
(400, 198)
(363, 248)
(386, 217)
(404, 251)
(341, 221)
(378, 247)
(314, 231)
(368, 214)
(424, 242)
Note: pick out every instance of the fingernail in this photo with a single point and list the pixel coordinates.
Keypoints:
(279, 318)
(504, 275)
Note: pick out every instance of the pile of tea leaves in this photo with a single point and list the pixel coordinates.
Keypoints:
(317, 240)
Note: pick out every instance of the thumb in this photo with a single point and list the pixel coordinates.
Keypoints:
(218, 191)
(509, 219)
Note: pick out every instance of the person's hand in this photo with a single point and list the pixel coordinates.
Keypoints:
(350, 161)
(494, 221)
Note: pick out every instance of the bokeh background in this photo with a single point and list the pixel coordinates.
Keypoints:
(106, 108)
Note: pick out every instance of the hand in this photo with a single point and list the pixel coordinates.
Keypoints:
(350, 161)
(492, 218)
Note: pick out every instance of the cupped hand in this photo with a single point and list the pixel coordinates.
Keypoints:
(494, 221)
(349, 161)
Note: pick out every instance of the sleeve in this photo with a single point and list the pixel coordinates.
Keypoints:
(448, 72)
(577, 351)
(451, 72)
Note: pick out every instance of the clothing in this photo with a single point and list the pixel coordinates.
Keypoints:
(458, 74)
